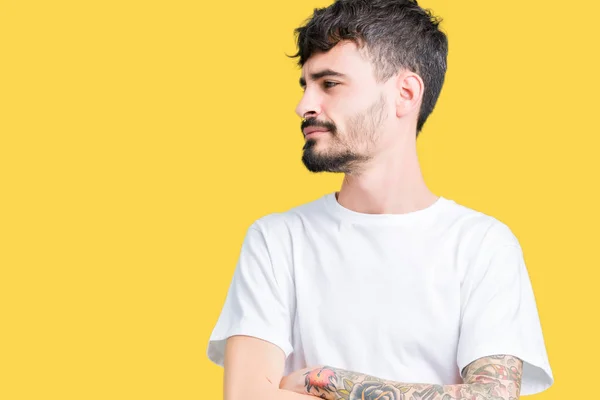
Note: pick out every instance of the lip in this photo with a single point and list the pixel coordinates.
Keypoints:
(313, 130)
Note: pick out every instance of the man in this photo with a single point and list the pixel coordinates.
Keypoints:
(382, 290)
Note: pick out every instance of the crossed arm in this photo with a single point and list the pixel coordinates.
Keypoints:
(496, 377)
(254, 369)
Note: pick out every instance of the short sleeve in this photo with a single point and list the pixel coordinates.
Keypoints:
(500, 316)
(256, 304)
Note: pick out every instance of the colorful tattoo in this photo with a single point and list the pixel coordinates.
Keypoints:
(489, 378)
(321, 379)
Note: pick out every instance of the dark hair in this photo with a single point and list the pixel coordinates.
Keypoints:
(397, 33)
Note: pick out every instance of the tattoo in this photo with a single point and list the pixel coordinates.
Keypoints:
(501, 374)
(321, 379)
(430, 392)
(496, 377)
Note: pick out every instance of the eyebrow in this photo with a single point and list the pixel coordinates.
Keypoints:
(317, 75)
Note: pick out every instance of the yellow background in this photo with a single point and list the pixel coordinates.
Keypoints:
(140, 139)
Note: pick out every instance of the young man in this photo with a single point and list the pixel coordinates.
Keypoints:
(382, 290)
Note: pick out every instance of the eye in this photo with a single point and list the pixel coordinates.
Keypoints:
(329, 84)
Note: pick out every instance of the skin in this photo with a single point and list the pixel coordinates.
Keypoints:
(496, 377)
(374, 140)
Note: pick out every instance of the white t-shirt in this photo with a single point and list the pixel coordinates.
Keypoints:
(411, 297)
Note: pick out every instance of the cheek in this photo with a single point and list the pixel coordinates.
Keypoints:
(338, 111)
(332, 109)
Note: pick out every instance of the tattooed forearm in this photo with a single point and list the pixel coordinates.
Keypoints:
(488, 378)
(498, 368)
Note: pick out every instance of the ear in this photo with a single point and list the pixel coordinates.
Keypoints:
(409, 88)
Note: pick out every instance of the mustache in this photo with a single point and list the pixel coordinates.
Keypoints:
(321, 124)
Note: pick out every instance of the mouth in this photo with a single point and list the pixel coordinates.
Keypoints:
(308, 132)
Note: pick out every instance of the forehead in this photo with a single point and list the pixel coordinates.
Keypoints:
(345, 57)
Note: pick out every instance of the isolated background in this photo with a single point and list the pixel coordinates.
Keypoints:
(140, 139)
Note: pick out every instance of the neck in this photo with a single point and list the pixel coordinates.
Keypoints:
(391, 183)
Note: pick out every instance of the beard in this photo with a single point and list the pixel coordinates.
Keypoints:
(346, 152)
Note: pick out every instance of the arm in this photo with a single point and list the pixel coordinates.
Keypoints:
(488, 378)
(253, 369)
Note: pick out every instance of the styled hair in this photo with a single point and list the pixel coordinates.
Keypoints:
(398, 34)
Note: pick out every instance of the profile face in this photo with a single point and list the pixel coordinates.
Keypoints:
(343, 108)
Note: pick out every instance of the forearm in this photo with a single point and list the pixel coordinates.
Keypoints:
(282, 394)
(337, 384)
(262, 391)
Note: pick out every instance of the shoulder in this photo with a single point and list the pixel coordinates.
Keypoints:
(288, 221)
(477, 237)
(476, 229)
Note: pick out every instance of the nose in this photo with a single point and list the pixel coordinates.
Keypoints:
(309, 105)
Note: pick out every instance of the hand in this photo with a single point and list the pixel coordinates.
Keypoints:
(295, 381)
